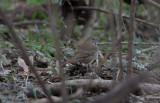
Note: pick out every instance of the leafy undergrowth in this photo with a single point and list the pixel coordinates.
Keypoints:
(42, 54)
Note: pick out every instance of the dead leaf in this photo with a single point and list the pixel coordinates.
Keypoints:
(24, 66)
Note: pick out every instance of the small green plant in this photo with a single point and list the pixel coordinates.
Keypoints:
(33, 90)
(5, 4)
(75, 101)
(34, 2)
(6, 45)
(40, 14)
(40, 41)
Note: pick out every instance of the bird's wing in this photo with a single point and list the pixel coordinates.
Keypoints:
(83, 54)
(88, 47)
(84, 51)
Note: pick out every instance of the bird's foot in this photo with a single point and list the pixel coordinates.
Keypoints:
(89, 67)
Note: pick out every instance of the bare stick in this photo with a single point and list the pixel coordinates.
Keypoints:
(112, 28)
(131, 36)
(120, 33)
(53, 25)
(124, 16)
(19, 44)
(135, 43)
(153, 3)
(87, 30)
(121, 91)
(29, 22)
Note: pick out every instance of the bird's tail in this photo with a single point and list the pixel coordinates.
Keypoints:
(68, 61)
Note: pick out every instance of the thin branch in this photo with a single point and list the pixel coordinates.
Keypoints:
(100, 5)
(153, 3)
(29, 22)
(19, 44)
(149, 49)
(131, 36)
(59, 99)
(53, 24)
(112, 27)
(121, 91)
(120, 33)
(124, 16)
(135, 43)
(88, 28)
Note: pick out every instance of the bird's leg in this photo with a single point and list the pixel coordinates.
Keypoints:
(92, 73)
(89, 67)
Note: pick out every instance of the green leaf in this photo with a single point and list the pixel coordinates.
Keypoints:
(34, 91)
(5, 4)
(75, 101)
(40, 14)
(6, 45)
(35, 2)
(29, 34)
(37, 33)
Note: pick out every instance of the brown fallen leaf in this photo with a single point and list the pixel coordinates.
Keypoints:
(24, 66)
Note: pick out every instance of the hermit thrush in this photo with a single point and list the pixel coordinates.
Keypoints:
(87, 52)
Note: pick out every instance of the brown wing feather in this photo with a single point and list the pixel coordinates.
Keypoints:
(85, 50)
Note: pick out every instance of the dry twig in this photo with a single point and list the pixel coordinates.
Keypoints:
(134, 4)
(121, 91)
(53, 24)
(87, 30)
(124, 16)
(120, 33)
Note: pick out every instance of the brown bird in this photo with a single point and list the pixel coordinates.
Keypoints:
(87, 52)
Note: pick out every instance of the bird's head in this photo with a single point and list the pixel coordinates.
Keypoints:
(94, 40)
